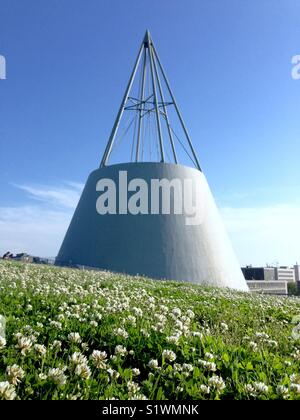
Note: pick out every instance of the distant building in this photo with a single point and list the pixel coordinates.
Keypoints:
(285, 274)
(270, 273)
(297, 276)
(23, 257)
(268, 287)
(8, 255)
(42, 260)
(297, 272)
(259, 273)
(271, 280)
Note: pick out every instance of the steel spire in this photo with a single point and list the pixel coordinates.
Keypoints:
(155, 103)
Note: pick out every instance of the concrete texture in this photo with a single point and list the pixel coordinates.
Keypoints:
(160, 246)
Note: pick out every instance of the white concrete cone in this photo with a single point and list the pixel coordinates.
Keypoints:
(162, 246)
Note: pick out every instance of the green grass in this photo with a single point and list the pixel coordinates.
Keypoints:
(204, 343)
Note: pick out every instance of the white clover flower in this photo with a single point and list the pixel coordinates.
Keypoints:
(136, 372)
(55, 324)
(250, 390)
(295, 378)
(145, 333)
(120, 350)
(132, 387)
(169, 355)
(217, 383)
(137, 311)
(282, 391)
(260, 387)
(57, 376)
(224, 327)
(179, 324)
(42, 376)
(84, 346)
(256, 388)
(99, 359)
(295, 388)
(185, 330)
(253, 345)
(121, 332)
(131, 319)
(153, 364)
(7, 391)
(74, 338)
(211, 366)
(158, 327)
(56, 345)
(187, 369)
(94, 323)
(2, 343)
(164, 309)
(209, 356)
(78, 358)
(190, 314)
(113, 373)
(160, 318)
(131, 352)
(83, 371)
(138, 396)
(262, 335)
(24, 344)
(204, 389)
(40, 349)
(176, 312)
(173, 339)
(272, 343)
(17, 336)
(177, 367)
(14, 374)
(206, 331)
(197, 334)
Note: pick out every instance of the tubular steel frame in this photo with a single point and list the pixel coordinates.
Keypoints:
(148, 49)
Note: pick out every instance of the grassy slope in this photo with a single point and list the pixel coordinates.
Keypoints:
(236, 344)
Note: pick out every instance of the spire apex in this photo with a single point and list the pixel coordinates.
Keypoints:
(147, 38)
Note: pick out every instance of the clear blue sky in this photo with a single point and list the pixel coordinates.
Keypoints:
(229, 63)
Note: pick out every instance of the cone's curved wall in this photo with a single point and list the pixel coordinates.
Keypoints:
(160, 246)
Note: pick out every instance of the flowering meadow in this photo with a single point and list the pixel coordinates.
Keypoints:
(76, 334)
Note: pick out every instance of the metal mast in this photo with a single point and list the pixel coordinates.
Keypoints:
(141, 108)
(149, 46)
(177, 110)
(145, 106)
(121, 110)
